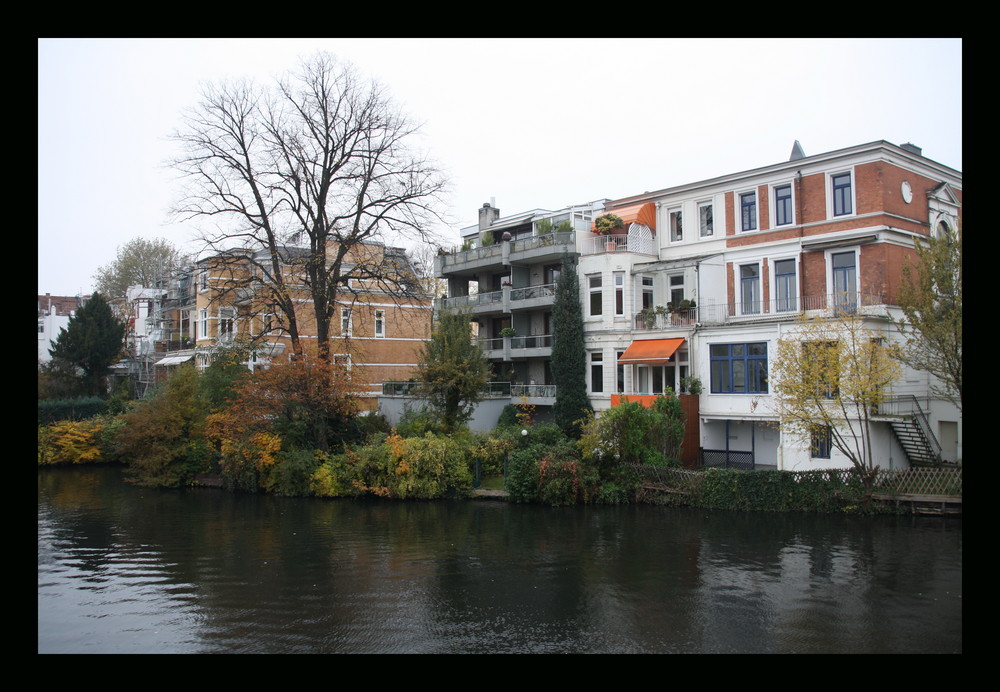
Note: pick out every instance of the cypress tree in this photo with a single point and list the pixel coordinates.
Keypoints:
(569, 359)
(454, 369)
(92, 341)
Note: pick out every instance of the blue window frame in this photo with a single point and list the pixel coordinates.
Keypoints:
(821, 443)
(748, 211)
(842, 203)
(783, 205)
(739, 368)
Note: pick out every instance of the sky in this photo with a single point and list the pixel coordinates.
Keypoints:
(520, 123)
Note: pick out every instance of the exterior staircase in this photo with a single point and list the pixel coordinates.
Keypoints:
(920, 450)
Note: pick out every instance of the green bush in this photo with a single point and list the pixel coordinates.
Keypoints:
(292, 474)
(80, 408)
(778, 491)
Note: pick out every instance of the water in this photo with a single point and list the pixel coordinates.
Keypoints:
(130, 570)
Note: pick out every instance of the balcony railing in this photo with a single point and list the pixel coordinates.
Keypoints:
(492, 390)
(495, 299)
(494, 253)
(832, 304)
(516, 342)
(618, 243)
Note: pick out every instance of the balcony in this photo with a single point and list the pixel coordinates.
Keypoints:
(597, 245)
(543, 394)
(538, 248)
(846, 304)
(516, 347)
(506, 300)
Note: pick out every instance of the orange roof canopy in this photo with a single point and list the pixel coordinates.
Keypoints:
(644, 214)
(650, 351)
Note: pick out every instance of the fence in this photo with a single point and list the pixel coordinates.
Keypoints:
(916, 481)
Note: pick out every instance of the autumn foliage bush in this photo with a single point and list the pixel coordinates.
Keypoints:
(70, 442)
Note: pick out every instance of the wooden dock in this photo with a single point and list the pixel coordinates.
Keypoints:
(924, 504)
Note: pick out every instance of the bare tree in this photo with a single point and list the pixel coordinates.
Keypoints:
(307, 184)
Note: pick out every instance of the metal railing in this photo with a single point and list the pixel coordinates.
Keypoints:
(617, 243)
(533, 390)
(496, 343)
(492, 390)
(729, 459)
(843, 304)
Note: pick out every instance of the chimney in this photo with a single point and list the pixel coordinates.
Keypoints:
(912, 148)
(487, 216)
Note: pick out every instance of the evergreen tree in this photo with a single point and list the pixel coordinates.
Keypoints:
(454, 370)
(569, 359)
(92, 342)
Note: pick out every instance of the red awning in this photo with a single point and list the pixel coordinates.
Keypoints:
(650, 351)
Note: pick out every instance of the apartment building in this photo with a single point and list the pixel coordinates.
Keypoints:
(383, 317)
(701, 281)
(53, 316)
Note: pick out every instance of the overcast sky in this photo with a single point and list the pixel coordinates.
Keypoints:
(529, 123)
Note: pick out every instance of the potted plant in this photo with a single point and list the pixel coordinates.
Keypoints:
(507, 332)
(606, 224)
(685, 306)
(691, 385)
(488, 239)
(649, 315)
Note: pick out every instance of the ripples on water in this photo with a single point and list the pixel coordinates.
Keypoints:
(125, 570)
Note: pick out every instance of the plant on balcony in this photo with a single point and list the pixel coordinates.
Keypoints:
(508, 332)
(543, 227)
(690, 385)
(686, 305)
(649, 315)
(564, 227)
(489, 239)
(467, 245)
(607, 224)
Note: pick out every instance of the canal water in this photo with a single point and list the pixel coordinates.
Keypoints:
(123, 569)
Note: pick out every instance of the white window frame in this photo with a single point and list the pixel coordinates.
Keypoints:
(595, 359)
(676, 214)
(202, 323)
(831, 290)
(346, 320)
(829, 194)
(644, 290)
(701, 227)
(593, 290)
(618, 280)
(379, 324)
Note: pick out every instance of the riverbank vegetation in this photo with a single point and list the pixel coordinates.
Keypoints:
(295, 430)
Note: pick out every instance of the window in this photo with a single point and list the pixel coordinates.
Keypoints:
(647, 292)
(345, 321)
(822, 366)
(380, 324)
(783, 205)
(821, 443)
(842, 196)
(739, 368)
(676, 226)
(202, 323)
(845, 281)
(203, 280)
(748, 211)
(676, 289)
(785, 285)
(706, 223)
(227, 319)
(596, 298)
(749, 289)
(596, 372)
(620, 373)
(619, 279)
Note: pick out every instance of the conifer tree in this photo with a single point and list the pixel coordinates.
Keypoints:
(92, 341)
(569, 362)
(454, 370)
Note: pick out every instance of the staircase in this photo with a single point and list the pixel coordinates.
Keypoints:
(917, 441)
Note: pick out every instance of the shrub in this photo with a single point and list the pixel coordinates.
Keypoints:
(70, 409)
(70, 442)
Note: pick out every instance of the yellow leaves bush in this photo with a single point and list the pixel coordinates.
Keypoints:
(70, 442)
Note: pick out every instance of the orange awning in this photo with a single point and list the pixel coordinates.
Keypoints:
(650, 351)
(636, 213)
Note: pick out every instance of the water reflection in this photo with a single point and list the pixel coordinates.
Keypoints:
(123, 569)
